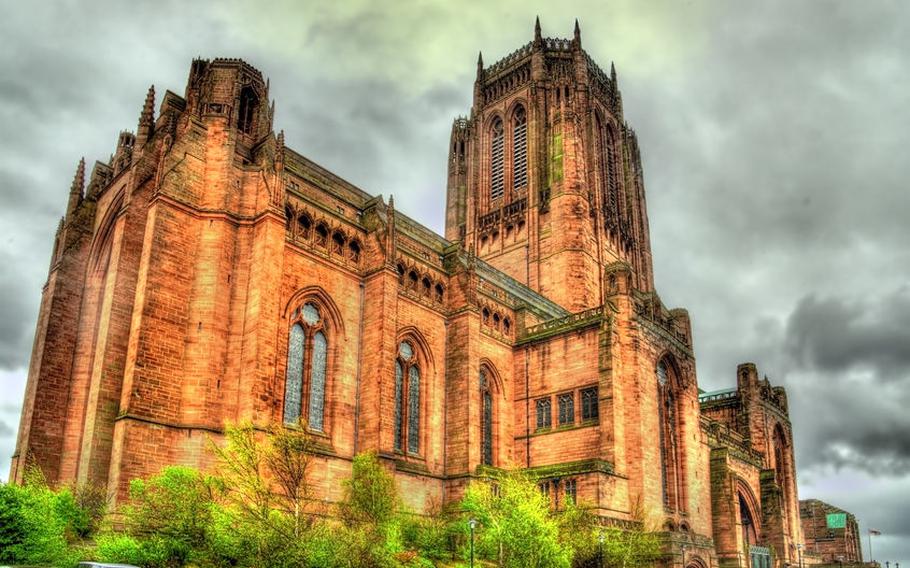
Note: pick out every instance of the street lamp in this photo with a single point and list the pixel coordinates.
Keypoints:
(600, 540)
(473, 524)
(872, 532)
(683, 556)
(799, 550)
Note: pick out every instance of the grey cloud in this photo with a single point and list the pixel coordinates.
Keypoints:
(6, 431)
(870, 333)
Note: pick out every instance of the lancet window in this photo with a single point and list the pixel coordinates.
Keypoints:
(486, 418)
(519, 149)
(305, 379)
(669, 439)
(407, 399)
(497, 161)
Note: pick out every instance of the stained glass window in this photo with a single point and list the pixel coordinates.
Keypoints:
(293, 389)
(305, 389)
(544, 416)
(487, 428)
(399, 402)
(589, 409)
(317, 382)
(519, 149)
(407, 400)
(413, 409)
(497, 177)
(566, 409)
(311, 314)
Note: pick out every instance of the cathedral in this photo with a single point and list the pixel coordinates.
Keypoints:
(209, 274)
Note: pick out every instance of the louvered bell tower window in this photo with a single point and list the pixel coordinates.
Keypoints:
(497, 172)
(519, 149)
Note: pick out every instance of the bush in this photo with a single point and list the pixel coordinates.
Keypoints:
(39, 525)
(119, 548)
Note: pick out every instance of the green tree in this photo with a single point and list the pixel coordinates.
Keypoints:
(265, 480)
(516, 527)
(370, 496)
(169, 516)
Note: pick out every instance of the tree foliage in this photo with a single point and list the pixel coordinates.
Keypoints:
(515, 524)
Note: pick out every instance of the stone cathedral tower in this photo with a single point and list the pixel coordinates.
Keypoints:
(545, 179)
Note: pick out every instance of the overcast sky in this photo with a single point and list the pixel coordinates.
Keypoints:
(774, 136)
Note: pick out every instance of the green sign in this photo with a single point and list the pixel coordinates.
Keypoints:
(837, 520)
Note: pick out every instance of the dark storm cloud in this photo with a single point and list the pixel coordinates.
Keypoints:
(871, 333)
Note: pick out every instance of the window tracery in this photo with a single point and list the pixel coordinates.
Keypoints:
(544, 413)
(305, 378)
(668, 423)
(407, 399)
(566, 402)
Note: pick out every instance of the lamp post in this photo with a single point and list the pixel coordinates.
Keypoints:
(473, 524)
(683, 556)
(871, 533)
(799, 550)
(600, 541)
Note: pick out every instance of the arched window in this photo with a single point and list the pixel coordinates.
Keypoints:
(322, 234)
(607, 174)
(497, 173)
(338, 241)
(781, 452)
(669, 452)
(486, 418)
(303, 226)
(305, 379)
(750, 531)
(289, 216)
(248, 103)
(519, 149)
(440, 293)
(407, 399)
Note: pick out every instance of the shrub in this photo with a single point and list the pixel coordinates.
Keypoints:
(39, 525)
(119, 548)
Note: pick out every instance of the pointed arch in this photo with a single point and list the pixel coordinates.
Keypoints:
(312, 332)
(414, 369)
(486, 364)
(491, 395)
(299, 297)
(607, 168)
(519, 136)
(99, 251)
(749, 512)
(497, 158)
(669, 425)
